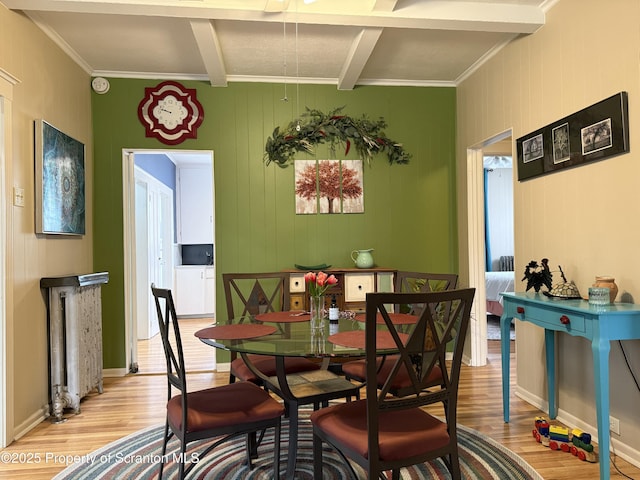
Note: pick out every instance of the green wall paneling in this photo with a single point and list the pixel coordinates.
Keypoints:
(410, 211)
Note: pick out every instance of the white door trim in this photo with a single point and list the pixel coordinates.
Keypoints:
(5, 341)
(7, 81)
(476, 247)
(129, 238)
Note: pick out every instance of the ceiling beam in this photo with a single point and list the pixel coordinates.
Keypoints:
(276, 6)
(435, 14)
(384, 5)
(357, 58)
(209, 46)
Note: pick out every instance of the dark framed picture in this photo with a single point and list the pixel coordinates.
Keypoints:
(596, 137)
(530, 153)
(59, 182)
(533, 148)
(593, 133)
(561, 148)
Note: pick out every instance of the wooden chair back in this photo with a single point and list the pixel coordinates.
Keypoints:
(171, 341)
(420, 282)
(254, 293)
(440, 330)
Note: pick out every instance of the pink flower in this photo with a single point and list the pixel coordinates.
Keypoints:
(321, 278)
(318, 283)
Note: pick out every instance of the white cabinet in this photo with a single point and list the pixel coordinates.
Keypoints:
(209, 290)
(195, 290)
(195, 204)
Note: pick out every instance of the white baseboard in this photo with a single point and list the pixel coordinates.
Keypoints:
(115, 372)
(223, 367)
(527, 396)
(30, 423)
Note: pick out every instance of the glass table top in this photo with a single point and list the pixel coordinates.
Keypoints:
(296, 339)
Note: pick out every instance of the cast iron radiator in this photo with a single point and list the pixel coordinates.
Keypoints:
(74, 319)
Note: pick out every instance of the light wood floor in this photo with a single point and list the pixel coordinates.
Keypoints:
(134, 402)
(198, 356)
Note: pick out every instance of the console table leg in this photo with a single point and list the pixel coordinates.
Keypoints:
(505, 325)
(550, 356)
(600, 349)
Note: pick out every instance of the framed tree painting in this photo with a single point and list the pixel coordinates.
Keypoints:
(329, 186)
(352, 190)
(59, 182)
(306, 187)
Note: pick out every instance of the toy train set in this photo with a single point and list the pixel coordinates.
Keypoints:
(576, 442)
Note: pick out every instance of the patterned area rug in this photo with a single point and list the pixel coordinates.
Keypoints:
(493, 328)
(137, 456)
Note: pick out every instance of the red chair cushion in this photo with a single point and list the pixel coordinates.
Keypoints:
(357, 369)
(219, 407)
(402, 434)
(267, 365)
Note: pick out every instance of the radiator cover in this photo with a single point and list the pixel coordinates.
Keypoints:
(74, 315)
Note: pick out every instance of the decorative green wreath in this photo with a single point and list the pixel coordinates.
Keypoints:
(315, 127)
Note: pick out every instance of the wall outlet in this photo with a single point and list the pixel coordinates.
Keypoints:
(614, 425)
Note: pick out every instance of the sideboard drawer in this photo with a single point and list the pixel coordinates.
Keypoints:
(555, 321)
(296, 302)
(296, 283)
(357, 285)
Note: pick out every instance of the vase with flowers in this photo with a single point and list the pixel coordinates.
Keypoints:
(317, 285)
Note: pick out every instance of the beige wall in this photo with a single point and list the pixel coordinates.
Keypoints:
(50, 87)
(585, 219)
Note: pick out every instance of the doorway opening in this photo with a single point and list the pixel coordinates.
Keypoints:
(6, 415)
(154, 243)
(499, 268)
(477, 243)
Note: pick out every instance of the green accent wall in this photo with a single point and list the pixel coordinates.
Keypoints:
(410, 210)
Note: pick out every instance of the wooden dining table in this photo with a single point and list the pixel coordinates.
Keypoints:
(289, 334)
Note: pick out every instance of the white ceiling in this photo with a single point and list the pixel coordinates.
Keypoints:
(341, 42)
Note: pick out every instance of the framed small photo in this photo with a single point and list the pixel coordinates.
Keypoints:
(59, 182)
(596, 137)
(532, 149)
(561, 147)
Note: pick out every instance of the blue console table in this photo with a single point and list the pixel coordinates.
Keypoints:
(599, 324)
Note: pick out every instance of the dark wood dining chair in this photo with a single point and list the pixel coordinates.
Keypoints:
(384, 432)
(222, 413)
(405, 282)
(251, 294)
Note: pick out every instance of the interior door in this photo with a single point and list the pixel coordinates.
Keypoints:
(143, 280)
(154, 234)
(162, 225)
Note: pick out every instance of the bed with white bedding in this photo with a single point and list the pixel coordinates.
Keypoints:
(496, 283)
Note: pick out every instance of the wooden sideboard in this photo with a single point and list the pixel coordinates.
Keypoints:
(351, 290)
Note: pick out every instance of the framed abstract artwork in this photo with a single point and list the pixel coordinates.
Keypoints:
(59, 182)
(594, 133)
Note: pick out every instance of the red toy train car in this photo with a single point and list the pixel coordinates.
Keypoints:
(576, 442)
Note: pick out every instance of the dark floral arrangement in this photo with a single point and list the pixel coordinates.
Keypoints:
(314, 127)
(538, 275)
